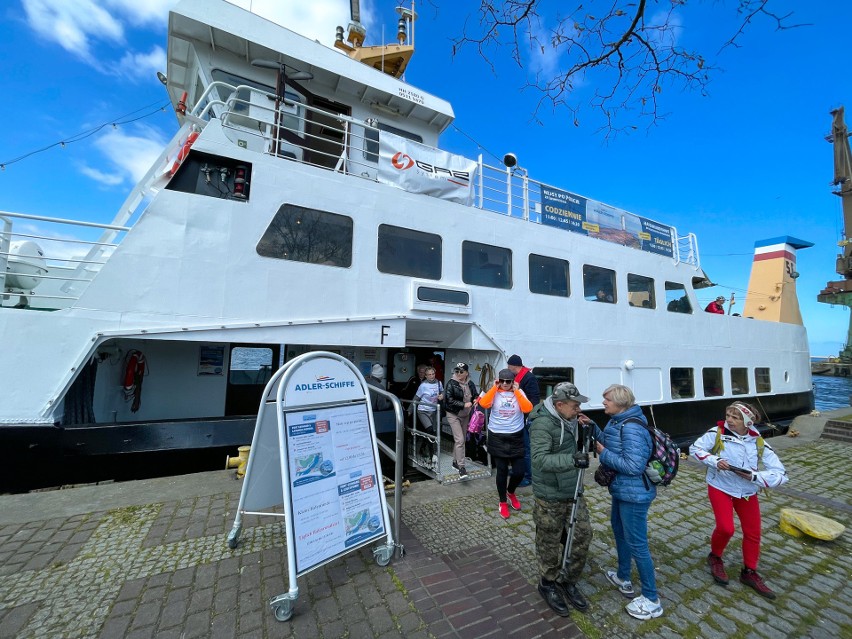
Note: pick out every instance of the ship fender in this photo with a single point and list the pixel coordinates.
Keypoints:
(184, 151)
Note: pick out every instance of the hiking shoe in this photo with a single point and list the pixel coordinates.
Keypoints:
(462, 472)
(572, 595)
(504, 510)
(551, 595)
(717, 569)
(624, 587)
(643, 608)
(524, 483)
(751, 578)
(513, 501)
(435, 462)
(455, 464)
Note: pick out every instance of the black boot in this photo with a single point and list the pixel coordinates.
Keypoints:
(573, 596)
(549, 592)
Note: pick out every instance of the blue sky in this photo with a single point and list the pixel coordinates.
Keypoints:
(745, 163)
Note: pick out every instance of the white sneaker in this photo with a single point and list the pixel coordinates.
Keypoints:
(644, 608)
(624, 587)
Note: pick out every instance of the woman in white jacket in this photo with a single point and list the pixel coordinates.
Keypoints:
(732, 451)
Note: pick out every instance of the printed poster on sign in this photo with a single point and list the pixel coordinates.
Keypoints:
(577, 214)
(562, 209)
(418, 168)
(334, 483)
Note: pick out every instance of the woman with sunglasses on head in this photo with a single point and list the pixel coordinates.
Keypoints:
(458, 400)
(508, 404)
(732, 451)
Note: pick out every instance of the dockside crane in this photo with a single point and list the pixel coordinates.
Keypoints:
(840, 291)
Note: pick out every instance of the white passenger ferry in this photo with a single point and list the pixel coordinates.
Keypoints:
(304, 205)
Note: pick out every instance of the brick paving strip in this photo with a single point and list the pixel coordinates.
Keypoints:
(163, 569)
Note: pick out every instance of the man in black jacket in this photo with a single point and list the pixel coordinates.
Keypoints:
(529, 384)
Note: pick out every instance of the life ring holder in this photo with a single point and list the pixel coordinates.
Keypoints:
(184, 151)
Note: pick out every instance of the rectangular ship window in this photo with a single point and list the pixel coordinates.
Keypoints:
(640, 291)
(407, 252)
(549, 276)
(762, 383)
(677, 301)
(683, 383)
(599, 284)
(307, 235)
(442, 295)
(739, 381)
(486, 265)
(549, 376)
(712, 378)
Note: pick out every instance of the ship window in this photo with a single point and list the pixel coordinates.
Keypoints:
(599, 284)
(442, 295)
(712, 378)
(677, 300)
(408, 252)
(761, 380)
(307, 235)
(549, 276)
(250, 366)
(683, 384)
(549, 376)
(739, 381)
(640, 291)
(371, 139)
(486, 265)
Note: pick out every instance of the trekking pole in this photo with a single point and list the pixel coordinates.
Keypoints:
(581, 461)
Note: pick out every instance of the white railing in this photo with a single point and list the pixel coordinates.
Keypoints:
(64, 258)
(289, 129)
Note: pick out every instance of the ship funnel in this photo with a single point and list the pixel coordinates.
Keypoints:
(772, 285)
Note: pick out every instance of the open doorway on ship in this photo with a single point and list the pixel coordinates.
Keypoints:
(402, 366)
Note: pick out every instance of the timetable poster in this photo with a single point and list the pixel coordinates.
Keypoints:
(334, 483)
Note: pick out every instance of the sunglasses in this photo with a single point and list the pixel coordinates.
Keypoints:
(506, 381)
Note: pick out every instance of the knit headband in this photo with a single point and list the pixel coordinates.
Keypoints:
(748, 417)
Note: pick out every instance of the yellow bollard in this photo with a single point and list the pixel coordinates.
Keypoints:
(239, 462)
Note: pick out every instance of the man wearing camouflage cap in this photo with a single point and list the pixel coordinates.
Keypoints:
(553, 442)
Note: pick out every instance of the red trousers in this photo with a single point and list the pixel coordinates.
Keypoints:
(748, 511)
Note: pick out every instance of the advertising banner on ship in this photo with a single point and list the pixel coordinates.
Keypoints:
(334, 483)
(575, 213)
(418, 168)
(656, 237)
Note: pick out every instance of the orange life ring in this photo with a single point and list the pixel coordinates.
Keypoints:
(184, 151)
(135, 367)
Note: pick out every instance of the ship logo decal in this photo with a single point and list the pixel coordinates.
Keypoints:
(402, 161)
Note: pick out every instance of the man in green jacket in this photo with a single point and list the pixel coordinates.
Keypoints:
(553, 442)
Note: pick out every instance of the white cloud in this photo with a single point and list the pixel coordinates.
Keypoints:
(107, 179)
(72, 24)
(131, 154)
(142, 12)
(141, 65)
(544, 57)
(315, 19)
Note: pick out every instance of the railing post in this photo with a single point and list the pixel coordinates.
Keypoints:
(5, 243)
(481, 178)
(509, 191)
(526, 183)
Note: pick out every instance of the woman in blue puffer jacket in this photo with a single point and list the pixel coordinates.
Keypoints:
(625, 446)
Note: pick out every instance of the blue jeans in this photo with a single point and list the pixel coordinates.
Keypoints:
(630, 527)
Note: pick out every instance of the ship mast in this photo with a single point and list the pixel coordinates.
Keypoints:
(840, 292)
(387, 58)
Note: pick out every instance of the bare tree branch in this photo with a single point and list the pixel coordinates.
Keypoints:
(628, 50)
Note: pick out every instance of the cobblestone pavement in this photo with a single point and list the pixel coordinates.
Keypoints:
(161, 568)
